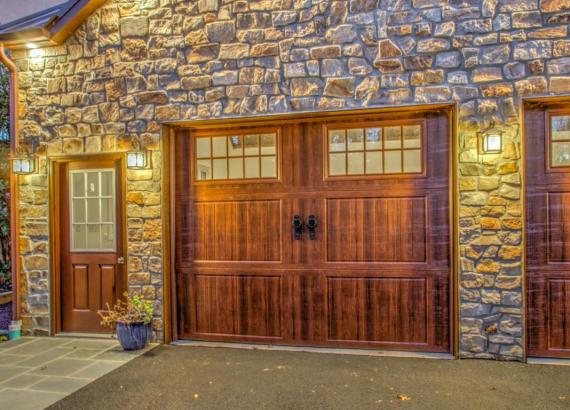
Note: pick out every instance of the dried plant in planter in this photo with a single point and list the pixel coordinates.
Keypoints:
(134, 309)
(132, 320)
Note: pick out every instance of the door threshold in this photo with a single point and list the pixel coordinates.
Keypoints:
(326, 350)
(79, 335)
(553, 361)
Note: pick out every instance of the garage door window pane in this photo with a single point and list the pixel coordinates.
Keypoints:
(560, 127)
(220, 169)
(251, 145)
(561, 154)
(413, 161)
(268, 144)
(355, 163)
(252, 167)
(392, 137)
(202, 147)
(355, 140)
(268, 167)
(412, 136)
(337, 164)
(374, 162)
(235, 147)
(393, 162)
(373, 138)
(236, 168)
(337, 141)
(219, 146)
(204, 169)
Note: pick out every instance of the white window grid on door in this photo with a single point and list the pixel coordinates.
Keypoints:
(85, 221)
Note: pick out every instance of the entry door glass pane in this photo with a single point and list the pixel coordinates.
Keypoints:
(93, 210)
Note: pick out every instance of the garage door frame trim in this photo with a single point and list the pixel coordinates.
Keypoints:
(168, 175)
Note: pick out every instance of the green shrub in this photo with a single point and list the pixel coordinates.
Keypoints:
(5, 265)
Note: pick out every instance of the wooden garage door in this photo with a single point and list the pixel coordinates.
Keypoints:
(374, 271)
(547, 136)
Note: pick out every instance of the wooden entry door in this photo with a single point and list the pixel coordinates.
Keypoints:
(547, 180)
(91, 242)
(374, 271)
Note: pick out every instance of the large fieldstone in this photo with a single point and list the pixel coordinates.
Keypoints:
(553, 6)
(534, 49)
(134, 27)
(560, 85)
(302, 87)
(221, 31)
(339, 87)
(341, 34)
(233, 51)
(204, 53)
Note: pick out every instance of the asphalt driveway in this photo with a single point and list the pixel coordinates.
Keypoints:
(182, 377)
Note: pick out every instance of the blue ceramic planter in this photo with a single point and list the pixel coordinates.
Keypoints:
(134, 336)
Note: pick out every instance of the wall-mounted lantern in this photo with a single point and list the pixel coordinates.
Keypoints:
(24, 161)
(137, 158)
(491, 141)
(23, 165)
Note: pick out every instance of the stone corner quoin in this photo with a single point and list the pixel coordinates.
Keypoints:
(134, 65)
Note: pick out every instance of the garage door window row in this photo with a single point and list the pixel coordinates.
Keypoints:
(252, 156)
(375, 150)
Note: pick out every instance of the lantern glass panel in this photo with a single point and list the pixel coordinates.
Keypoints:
(136, 159)
(492, 143)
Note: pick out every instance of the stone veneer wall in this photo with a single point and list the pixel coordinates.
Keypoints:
(135, 64)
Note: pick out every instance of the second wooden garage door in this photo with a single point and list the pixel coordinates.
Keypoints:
(370, 264)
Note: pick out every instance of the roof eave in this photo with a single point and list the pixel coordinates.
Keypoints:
(56, 31)
(65, 26)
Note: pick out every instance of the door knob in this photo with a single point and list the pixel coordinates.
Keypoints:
(120, 260)
(297, 227)
(312, 223)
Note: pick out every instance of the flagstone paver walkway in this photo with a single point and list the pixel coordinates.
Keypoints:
(37, 372)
